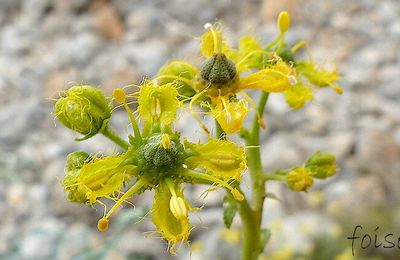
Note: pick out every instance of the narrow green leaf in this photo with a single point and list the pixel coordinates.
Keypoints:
(230, 207)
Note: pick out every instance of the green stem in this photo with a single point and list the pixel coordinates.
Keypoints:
(252, 215)
(113, 136)
(250, 232)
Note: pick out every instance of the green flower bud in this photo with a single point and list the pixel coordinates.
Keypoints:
(179, 72)
(75, 192)
(76, 160)
(84, 109)
(218, 70)
(322, 165)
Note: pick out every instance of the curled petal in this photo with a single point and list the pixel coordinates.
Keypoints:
(212, 41)
(158, 103)
(298, 95)
(276, 78)
(221, 158)
(99, 178)
(173, 229)
(229, 114)
(318, 76)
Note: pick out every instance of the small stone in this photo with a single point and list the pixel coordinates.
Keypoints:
(108, 22)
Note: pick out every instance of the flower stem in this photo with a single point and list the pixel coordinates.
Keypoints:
(113, 136)
(252, 215)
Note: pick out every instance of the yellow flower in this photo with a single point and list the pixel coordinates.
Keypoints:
(164, 164)
(220, 81)
(158, 160)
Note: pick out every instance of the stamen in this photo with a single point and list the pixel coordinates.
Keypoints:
(132, 190)
(120, 97)
(203, 176)
(102, 225)
(155, 107)
(165, 141)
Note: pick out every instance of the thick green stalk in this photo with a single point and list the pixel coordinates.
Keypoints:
(113, 136)
(250, 232)
(252, 216)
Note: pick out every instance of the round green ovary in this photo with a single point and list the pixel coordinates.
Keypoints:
(158, 159)
(218, 70)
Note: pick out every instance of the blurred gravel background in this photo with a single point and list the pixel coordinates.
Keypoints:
(45, 46)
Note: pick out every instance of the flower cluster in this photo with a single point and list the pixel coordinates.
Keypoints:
(227, 72)
(156, 158)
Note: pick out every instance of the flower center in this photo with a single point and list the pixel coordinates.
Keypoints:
(160, 155)
(218, 70)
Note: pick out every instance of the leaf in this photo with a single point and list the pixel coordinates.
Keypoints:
(265, 236)
(271, 195)
(230, 206)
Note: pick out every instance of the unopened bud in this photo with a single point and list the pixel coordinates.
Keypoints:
(299, 179)
(84, 109)
(322, 165)
(76, 160)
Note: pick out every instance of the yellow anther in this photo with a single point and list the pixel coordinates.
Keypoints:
(178, 207)
(227, 161)
(119, 95)
(284, 21)
(155, 107)
(237, 194)
(165, 141)
(102, 225)
(338, 89)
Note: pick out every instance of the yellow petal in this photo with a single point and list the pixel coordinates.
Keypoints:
(221, 158)
(212, 41)
(298, 95)
(276, 78)
(158, 103)
(174, 230)
(229, 114)
(103, 177)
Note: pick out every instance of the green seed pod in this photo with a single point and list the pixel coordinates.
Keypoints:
(322, 165)
(84, 109)
(76, 160)
(218, 70)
